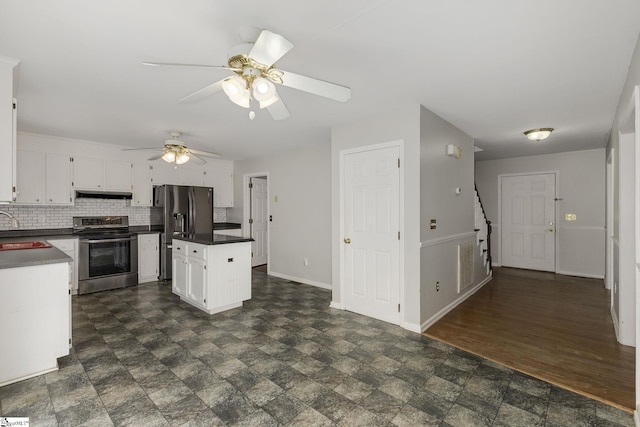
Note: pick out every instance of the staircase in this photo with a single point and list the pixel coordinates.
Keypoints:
(483, 231)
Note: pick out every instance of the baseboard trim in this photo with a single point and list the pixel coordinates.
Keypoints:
(440, 314)
(636, 417)
(336, 305)
(412, 327)
(300, 280)
(614, 318)
(576, 274)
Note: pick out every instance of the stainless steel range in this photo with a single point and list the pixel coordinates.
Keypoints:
(108, 256)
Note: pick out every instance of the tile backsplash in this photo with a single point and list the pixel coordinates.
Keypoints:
(34, 217)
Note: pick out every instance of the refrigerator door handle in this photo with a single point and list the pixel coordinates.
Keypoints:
(192, 205)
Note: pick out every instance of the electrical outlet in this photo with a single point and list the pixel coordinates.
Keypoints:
(437, 286)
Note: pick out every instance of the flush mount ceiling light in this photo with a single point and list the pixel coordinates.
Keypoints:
(538, 134)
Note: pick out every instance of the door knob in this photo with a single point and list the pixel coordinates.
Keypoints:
(347, 240)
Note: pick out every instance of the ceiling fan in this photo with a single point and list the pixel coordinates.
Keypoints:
(175, 151)
(255, 74)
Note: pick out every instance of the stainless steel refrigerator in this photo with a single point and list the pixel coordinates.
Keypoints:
(185, 210)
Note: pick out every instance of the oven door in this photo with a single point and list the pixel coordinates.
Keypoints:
(107, 263)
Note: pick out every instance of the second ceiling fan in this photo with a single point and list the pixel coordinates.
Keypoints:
(255, 76)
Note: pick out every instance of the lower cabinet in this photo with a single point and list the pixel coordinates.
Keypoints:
(213, 278)
(148, 257)
(70, 248)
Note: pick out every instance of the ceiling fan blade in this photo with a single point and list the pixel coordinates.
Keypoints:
(197, 159)
(179, 64)
(315, 86)
(138, 149)
(205, 153)
(156, 157)
(203, 93)
(269, 48)
(278, 110)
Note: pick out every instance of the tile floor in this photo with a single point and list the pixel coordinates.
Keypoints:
(142, 357)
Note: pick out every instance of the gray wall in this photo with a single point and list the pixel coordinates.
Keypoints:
(581, 184)
(430, 178)
(301, 227)
(402, 124)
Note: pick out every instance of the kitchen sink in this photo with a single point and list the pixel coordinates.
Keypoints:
(12, 246)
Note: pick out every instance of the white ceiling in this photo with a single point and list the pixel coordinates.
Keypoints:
(493, 68)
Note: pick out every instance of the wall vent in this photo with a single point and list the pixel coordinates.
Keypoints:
(465, 266)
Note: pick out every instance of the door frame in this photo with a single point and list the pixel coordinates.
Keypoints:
(246, 209)
(609, 236)
(400, 145)
(555, 214)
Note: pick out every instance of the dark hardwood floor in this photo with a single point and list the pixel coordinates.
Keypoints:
(552, 327)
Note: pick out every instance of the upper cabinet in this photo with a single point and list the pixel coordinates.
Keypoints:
(142, 190)
(43, 178)
(88, 173)
(187, 174)
(219, 175)
(118, 175)
(102, 175)
(8, 126)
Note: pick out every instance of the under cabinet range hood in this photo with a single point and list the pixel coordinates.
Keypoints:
(88, 194)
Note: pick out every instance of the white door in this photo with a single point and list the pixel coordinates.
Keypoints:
(371, 218)
(259, 200)
(528, 221)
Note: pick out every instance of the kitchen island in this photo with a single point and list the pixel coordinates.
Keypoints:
(36, 310)
(212, 271)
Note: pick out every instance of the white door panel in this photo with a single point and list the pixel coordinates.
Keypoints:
(371, 190)
(528, 221)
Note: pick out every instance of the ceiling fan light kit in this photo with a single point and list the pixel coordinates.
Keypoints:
(255, 75)
(176, 152)
(538, 134)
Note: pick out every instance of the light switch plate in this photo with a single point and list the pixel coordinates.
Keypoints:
(570, 217)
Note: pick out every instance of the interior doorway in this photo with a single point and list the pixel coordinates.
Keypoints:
(256, 217)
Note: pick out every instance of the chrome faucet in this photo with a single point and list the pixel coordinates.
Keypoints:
(16, 223)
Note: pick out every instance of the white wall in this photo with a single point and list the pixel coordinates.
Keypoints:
(626, 293)
(300, 179)
(581, 186)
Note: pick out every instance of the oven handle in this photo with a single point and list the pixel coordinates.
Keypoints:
(124, 239)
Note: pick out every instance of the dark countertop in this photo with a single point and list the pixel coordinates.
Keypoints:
(57, 233)
(31, 257)
(211, 239)
(226, 225)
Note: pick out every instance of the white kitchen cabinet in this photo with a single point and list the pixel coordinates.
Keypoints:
(58, 178)
(70, 248)
(8, 128)
(219, 175)
(88, 173)
(142, 185)
(190, 175)
(179, 269)
(102, 175)
(30, 182)
(36, 321)
(43, 178)
(213, 278)
(148, 257)
(118, 175)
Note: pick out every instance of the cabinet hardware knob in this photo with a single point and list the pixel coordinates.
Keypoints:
(347, 240)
